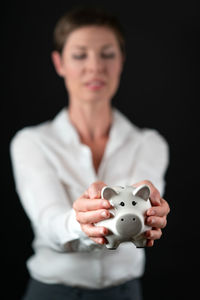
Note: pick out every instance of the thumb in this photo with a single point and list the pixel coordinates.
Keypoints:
(94, 190)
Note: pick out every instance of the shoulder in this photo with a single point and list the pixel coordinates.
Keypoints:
(45, 133)
(29, 134)
(153, 138)
(153, 150)
(142, 136)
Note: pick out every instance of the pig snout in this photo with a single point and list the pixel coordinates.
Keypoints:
(128, 225)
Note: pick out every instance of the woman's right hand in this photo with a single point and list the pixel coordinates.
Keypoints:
(90, 209)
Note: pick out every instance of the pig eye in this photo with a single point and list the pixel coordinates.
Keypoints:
(122, 203)
(134, 203)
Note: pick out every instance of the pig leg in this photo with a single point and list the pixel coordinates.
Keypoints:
(113, 242)
(140, 241)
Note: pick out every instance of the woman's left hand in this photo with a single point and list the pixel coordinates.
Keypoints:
(156, 216)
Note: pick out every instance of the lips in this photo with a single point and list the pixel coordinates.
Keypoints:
(95, 84)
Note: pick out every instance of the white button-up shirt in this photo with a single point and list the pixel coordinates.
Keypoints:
(52, 169)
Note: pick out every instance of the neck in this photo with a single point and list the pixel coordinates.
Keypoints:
(91, 121)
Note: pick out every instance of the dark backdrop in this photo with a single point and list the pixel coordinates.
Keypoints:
(158, 90)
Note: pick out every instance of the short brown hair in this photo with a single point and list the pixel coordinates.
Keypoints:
(84, 16)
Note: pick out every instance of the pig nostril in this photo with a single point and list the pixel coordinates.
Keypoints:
(133, 219)
(122, 219)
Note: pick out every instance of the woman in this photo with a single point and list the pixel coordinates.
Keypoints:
(60, 167)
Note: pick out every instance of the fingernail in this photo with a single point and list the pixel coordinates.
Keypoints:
(148, 234)
(152, 221)
(151, 212)
(104, 231)
(105, 214)
(158, 200)
(106, 204)
(101, 241)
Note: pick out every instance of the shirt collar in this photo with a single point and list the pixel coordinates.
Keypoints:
(121, 128)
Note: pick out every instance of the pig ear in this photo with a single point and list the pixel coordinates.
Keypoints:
(107, 193)
(142, 191)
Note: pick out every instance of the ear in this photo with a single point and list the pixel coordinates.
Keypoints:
(57, 62)
(142, 191)
(107, 193)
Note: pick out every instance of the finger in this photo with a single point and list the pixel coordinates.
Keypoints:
(92, 216)
(85, 204)
(86, 195)
(154, 193)
(150, 243)
(155, 197)
(154, 234)
(157, 222)
(94, 231)
(94, 191)
(165, 204)
(99, 240)
(160, 211)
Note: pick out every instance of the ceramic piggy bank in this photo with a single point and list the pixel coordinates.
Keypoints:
(129, 207)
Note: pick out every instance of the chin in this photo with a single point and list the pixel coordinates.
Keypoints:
(95, 98)
(98, 97)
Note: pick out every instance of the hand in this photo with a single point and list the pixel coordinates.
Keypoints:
(156, 216)
(90, 209)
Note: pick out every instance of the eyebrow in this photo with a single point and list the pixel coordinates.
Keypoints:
(84, 48)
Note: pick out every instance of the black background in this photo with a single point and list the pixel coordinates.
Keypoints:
(158, 90)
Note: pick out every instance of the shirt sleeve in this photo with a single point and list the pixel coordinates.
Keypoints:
(152, 159)
(43, 196)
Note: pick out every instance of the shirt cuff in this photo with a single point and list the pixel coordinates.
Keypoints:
(73, 226)
(81, 242)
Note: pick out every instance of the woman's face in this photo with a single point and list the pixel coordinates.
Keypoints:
(91, 64)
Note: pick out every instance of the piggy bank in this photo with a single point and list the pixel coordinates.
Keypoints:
(128, 221)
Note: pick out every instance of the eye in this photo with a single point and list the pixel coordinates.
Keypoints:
(134, 203)
(79, 56)
(108, 55)
(122, 203)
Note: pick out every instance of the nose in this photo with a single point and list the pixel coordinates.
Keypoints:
(129, 225)
(95, 64)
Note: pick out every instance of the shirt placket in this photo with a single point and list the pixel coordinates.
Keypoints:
(87, 164)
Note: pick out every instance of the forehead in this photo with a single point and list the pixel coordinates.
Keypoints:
(98, 36)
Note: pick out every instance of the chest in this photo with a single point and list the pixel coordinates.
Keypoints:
(77, 166)
(97, 149)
